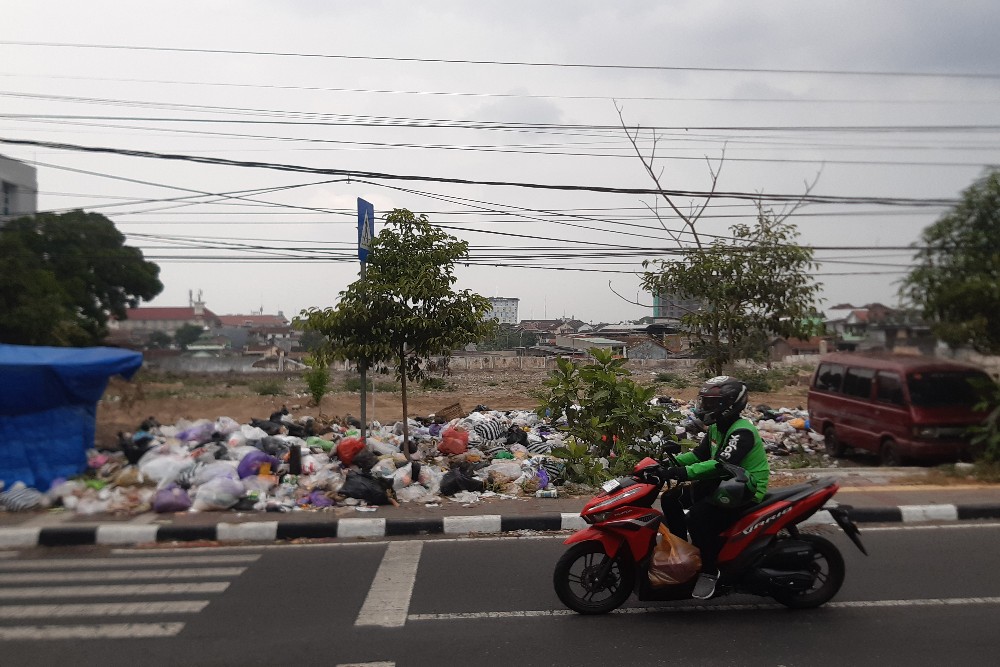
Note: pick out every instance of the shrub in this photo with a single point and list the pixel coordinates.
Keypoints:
(433, 384)
(269, 388)
(353, 384)
(317, 380)
(672, 380)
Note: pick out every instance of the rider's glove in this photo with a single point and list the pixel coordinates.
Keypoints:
(676, 472)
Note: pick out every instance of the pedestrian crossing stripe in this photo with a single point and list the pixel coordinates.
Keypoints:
(106, 591)
(103, 631)
(119, 575)
(102, 609)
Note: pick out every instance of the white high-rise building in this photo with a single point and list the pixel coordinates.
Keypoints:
(18, 189)
(504, 310)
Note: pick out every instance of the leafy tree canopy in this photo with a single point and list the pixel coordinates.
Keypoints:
(187, 334)
(957, 279)
(63, 275)
(406, 310)
(759, 281)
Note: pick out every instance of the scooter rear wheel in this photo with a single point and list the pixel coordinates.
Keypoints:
(578, 582)
(828, 576)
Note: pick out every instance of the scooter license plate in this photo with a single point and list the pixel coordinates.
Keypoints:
(610, 485)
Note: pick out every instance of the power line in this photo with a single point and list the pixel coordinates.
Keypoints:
(750, 196)
(443, 93)
(512, 63)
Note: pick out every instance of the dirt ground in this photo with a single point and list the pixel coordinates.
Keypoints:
(170, 398)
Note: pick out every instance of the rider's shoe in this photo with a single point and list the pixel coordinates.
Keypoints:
(704, 588)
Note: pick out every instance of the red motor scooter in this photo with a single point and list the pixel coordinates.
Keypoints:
(763, 554)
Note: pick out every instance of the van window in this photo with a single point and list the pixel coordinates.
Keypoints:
(889, 388)
(858, 382)
(829, 377)
(948, 388)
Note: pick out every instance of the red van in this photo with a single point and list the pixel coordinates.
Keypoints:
(903, 408)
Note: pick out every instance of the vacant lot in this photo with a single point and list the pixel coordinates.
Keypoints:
(170, 397)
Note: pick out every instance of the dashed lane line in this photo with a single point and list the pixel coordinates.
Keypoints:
(849, 604)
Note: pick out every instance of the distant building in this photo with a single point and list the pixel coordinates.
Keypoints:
(504, 310)
(18, 189)
(673, 306)
(140, 322)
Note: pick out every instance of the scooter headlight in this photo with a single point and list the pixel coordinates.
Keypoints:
(597, 518)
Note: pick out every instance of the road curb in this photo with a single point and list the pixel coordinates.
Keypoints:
(361, 528)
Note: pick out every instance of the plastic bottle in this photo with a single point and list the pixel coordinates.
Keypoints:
(547, 493)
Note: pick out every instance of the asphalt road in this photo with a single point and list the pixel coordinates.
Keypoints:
(926, 595)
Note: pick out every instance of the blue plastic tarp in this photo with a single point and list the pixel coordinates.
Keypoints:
(48, 408)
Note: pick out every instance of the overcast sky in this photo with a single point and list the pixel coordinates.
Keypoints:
(872, 101)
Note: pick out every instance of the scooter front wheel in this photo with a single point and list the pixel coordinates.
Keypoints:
(589, 582)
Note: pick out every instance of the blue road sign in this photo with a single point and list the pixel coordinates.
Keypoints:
(366, 228)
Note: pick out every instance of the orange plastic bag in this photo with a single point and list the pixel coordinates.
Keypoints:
(674, 561)
(454, 441)
(348, 448)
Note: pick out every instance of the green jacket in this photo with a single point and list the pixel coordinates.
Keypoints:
(701, 462)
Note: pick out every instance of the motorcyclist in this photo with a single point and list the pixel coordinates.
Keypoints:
(715, 504)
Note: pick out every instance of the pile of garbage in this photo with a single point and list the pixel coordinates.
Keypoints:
(286, 463)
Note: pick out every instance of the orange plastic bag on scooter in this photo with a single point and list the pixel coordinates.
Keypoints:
(674, 560)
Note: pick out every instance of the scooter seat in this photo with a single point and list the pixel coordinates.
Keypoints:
(786, 492)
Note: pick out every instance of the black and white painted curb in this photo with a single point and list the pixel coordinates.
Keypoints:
(118, 534)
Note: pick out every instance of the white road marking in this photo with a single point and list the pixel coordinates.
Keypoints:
(361, 528)
(572, 521)
(112, 591)
(19, 537)
(125, 533)
(949, 526)
(388, 599)
(254, 531)
(855, 604)
(367, 664)
(928, 513)
(102, 609)
(120, 575)
(485, 523)
(110, 631)
(95, 563)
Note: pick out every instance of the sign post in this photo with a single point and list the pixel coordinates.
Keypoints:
(366, 231)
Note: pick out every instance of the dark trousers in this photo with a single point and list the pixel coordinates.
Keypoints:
(704, 521)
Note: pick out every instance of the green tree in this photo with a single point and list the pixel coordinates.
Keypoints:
(187, 334)
(63, 275)
(957, 279)
(158, 340)
(759, 281)
(406, 310)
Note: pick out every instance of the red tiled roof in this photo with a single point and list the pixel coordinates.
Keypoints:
(166, 313)
(253, 320)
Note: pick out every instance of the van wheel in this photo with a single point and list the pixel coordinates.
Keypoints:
(890, 454)
(834, 447)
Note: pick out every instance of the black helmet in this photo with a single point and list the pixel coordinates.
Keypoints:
(721, 399)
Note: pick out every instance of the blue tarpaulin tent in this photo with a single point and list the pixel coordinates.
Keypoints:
(48, 408)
